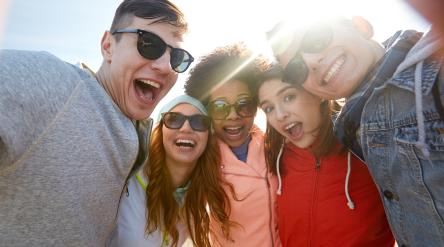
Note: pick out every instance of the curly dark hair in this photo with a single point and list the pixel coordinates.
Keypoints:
(232, 62)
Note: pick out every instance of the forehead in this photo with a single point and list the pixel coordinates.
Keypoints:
(230, 90)
(169, 33)
(186, 109)
(289, 40)
(272, 88)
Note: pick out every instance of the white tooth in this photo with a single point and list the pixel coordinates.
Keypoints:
(151, 83)
(233, 128)
(290, 126)
(185, 141)
(334, 68)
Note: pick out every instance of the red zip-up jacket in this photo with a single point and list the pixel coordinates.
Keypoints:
(313, 210)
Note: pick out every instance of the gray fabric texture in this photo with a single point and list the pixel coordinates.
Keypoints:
(65, 150)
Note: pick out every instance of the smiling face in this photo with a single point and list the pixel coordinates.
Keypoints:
(184, 146)
(135, 83)
(294, 113)
(335, 71)
(234, 129)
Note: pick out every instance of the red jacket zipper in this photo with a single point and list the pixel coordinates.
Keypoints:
(314, 200)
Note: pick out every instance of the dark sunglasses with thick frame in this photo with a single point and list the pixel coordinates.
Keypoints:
(220, 109)
(152, 47)
(316, 39)
(175, 120)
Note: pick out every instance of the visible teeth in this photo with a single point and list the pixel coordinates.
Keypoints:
(334, 69)
(151, 83)
(233, 128)
(183, 142)
(290, 126)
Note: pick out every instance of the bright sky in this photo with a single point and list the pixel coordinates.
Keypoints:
(72, 29)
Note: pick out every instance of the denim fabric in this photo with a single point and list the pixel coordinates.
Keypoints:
(348, 122)
(411, 184)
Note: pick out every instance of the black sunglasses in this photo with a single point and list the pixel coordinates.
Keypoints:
(152, 47)
(175, 120)
(315, 40)
(220, 109)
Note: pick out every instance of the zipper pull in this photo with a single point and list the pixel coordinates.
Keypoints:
(318, 164)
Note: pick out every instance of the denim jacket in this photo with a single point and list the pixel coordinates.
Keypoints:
(402, 139)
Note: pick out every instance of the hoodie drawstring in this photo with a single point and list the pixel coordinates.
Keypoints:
(420, 144)
(350, 203)
(279, 190)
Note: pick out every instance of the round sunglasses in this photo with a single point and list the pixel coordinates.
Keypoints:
(315, 40)
(175, 120)
(220, 109)
(152, 47)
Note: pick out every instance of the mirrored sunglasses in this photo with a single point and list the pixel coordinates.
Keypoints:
(152, 47)
(175, 120)
(315, 40)
(220, 109)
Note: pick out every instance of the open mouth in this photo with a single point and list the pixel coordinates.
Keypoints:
(185, 143)
(294, 130)
(147, 89)
(333, 71)
(233, 131)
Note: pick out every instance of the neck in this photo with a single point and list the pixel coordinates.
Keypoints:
(179, 172)
(101, 78)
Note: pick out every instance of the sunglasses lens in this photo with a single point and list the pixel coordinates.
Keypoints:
(199, 122)
(173, 120)
(246, 108)
(180, 60)
(218, 110)
(150, 46)
(296, 71)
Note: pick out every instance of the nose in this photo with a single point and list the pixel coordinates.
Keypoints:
(281, 113)
(232, 114)
(186, 126)
(162, 64)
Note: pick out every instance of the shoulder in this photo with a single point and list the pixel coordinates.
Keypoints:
(36, 73)
(34, 87)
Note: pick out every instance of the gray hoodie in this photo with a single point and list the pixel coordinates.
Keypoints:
(65, 151)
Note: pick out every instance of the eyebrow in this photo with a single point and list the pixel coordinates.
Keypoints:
(281, 91)
(243, 95)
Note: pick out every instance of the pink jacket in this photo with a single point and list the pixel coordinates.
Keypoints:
(255, 187)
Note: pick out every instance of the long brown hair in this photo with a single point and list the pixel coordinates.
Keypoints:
(325, 143)
(205, 188)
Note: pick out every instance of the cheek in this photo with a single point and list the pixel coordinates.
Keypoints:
(204, 141)
(249, 122)
(217, 124)
(315, 117)
(271, 119)
(172, 78)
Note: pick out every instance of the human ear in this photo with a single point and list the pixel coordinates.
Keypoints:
(363, 26)
(105, 46)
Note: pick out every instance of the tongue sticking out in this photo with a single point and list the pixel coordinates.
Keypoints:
(296, 131)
